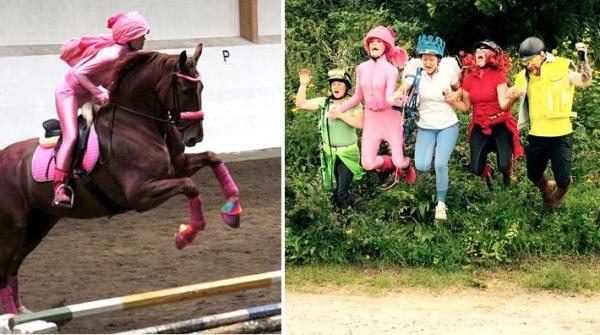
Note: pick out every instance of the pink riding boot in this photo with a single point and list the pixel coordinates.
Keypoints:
(6, 298)
(63, 193)
(410, 173)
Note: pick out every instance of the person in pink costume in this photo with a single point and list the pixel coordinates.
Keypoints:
(91, 59)
(376, 81)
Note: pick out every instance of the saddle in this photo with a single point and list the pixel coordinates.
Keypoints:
(85, 153)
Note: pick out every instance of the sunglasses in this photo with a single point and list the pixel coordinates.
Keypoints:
(531, 61)
(484, 50)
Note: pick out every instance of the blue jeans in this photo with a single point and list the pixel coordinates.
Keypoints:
(438, 143)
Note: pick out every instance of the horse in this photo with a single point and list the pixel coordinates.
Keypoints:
(154, 112)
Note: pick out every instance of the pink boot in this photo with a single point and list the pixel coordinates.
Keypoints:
(410, 173)
(62, 191)
(8, 304)
(186, 233)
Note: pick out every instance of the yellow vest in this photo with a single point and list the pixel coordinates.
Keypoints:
(550, 98)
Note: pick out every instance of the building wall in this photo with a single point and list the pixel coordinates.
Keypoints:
(243, 95)
(31, 22)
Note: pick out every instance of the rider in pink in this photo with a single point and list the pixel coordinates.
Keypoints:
(86, 81)
(375, 84)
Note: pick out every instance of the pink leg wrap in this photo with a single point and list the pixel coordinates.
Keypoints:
(8, 304)
(227, 184)
(13, 283)
(196, 216)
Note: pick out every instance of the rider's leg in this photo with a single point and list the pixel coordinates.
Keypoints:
(66, 107)
(480, 148)
(504, 151)
(445, 142)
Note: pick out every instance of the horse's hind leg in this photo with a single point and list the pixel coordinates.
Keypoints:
(12, 231)
(38, 226)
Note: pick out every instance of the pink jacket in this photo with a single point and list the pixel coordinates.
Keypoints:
(375, 84)
(92, 72)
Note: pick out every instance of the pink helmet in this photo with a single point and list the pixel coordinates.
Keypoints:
(386, 35)
(128, 26)
(398, 56)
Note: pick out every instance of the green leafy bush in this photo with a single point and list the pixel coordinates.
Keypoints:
(396, 227)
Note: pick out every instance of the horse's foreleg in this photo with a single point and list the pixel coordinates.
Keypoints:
(156, 192)
(232, 209)
(188, 164)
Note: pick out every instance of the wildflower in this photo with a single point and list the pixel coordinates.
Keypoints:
(311, 85)
(574, 53)
(554, 52)
(367, 257)
(349, 231)
(295, 110)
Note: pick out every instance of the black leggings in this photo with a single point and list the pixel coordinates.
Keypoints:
(499, 141)
(343, 177)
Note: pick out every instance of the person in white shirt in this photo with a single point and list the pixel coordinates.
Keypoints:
(438, 124)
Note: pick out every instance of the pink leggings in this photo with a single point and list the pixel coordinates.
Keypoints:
(379, 126)
(67, 102)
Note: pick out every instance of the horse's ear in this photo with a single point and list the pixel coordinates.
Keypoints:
(182, 60)
(198, 52)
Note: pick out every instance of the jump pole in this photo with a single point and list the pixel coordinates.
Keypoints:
(152, 298)
(210, 321)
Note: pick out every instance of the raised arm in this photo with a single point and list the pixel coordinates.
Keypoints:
(583, 78)
(301, 102)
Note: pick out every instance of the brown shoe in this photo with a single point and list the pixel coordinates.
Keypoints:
(559, 195)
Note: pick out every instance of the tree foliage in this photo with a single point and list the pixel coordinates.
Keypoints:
(397, 227)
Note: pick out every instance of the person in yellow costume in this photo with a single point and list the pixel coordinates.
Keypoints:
(545, 88)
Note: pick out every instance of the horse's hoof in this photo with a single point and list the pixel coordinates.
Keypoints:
(184, 236)
(231, 212)
(231, 220)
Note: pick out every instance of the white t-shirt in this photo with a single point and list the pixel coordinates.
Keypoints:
(434, 111)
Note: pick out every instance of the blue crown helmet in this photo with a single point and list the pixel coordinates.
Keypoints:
(429, 44)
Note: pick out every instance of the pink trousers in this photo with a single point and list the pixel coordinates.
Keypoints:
(67, 102)
(380, 126)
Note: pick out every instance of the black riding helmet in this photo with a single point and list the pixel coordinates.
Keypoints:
(530, 47)
(487, 44)
(339, 75)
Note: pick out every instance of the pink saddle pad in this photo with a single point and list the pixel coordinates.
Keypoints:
(42, 164)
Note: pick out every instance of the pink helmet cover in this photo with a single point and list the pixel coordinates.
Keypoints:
(398, 56)
(128, 26)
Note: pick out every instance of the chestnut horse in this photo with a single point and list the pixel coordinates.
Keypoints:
(155, 110)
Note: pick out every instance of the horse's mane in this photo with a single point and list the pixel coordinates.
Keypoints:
(131, 61)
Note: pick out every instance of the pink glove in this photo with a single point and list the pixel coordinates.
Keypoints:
(102, 98)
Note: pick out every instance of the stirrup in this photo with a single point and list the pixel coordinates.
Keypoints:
(64, 204)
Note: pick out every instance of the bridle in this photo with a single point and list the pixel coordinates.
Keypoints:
(175, 114)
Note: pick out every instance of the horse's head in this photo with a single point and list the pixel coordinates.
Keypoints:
(182, 91)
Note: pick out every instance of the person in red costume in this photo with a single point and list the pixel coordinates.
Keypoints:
(493, 127)
(91, 59)
(376, 81)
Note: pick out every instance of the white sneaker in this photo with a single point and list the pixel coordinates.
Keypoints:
(440, 212)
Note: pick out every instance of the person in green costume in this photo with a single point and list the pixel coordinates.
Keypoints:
(340, 158)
